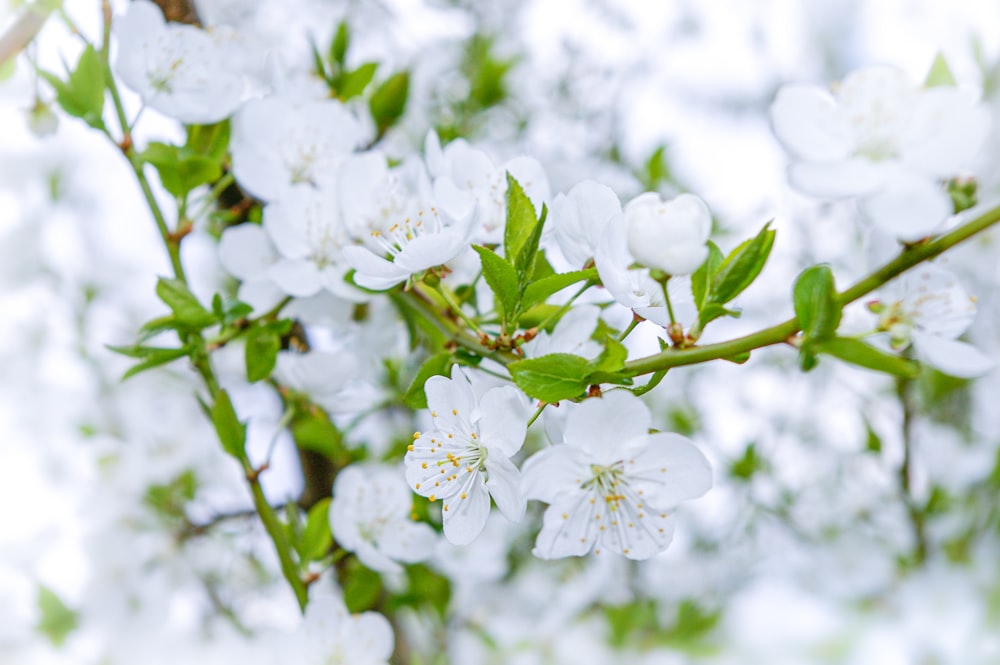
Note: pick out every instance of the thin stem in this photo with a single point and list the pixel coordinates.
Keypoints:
(457, 309)
(538, 412)
(666, 300)
(628, 331)
(569, 303)
(782, 332)
(904, 389)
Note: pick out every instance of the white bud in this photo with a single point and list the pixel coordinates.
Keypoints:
(668, 235)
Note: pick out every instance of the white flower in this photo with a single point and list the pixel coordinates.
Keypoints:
(179, 70)
(373, 197)
(330, 635)
(881, 138)
(930, 309)
(370, 516)
(413, 244)
(612, 485)
(571, 335)
(578, 219)
(331, 380)
(630, 287)
(465, 459)
(248, 254)
(465, 180)
(306, 229)
(278, 144)
(668, 235)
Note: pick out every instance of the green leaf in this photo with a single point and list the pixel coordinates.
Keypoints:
(180, 169)
(742, 266)
(745, 467)
(56, 621)
(939, 74)
(713, 310)
(340, 43)
(154, 357)
(354, 83)
(388, 102)
(211, 141)
(541, 289)
(82, 94)
(552, 377)
(317, 537)
(312, 430)
(521, 219)
(858, 353)
(502, 280)
(702, 277)
(656, 171)
(816, 306)
(362, 588)
(318, 65)
(612, 357)
(436, 365)
(185, 306)
(262, 345)
(425, 588)
(232, 433)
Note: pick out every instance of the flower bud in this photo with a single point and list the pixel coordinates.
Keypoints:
(42, 121)
(668, 235)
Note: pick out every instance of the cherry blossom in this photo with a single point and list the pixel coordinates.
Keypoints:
(668, 235)
(370, 516)
(879, 137)
(578, 219)
(465, 459)
(179, 70)
(611, 484)
(929, 310)
(329, 635)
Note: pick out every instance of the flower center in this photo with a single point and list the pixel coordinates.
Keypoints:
(609, 482)
(399, 235)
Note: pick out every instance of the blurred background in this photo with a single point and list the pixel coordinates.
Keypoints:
(811, 548)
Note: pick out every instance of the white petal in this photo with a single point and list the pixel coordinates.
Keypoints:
(408, 541)
(373, 272)
(840, 179)
(935, 300)
(579, 218)
(637, 533)
(374, 558)
(909, 206)
(464, 518)
(504, 486)
(568, 527)
(503, 422)
(806, 121)
(451, 401)
(602, 425)
(245, 251)
(946, 130)
(554, 471)
(371, 638)
(951, 356)
(430, 250)
(668, 469)
(296, 278)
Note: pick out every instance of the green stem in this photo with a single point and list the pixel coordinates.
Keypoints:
(628, 331)
(782, 332)
(538, 412)
(666, 300)
(569, 303)
(457, 308)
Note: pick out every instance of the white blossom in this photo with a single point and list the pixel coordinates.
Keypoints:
(578, 219)
(929, 309)
(370, 516)
(668, 235)
(611, 484)
(572, 334)
(465, 459)
(329, 635)
(179, 70)
(879, 137)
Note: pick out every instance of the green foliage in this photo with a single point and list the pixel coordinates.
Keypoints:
(964, 193)
(340, 43)
(82, 94)
(552, 377)
(939, 74)
(425, 589)
(858, 353)
(719, 280)
(746, 466)
(149, 356)
(354, 83)
(263, 341)
(316, 539)
(189, 314)
(56, 621)
(170, 499)
(541, 288)
(502, 279)
(362, 587)
(388, 103)
(198, 162)
(638, 625)
(437, 365)
(229, 310)
(817, 309)
(232, 433)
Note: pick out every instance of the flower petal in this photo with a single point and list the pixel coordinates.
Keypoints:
(373, 272)
(951, 356)
(835, 180)
(503, 421)
(806, 121)
(452, 401)
(568, 527)
(909, 206)
(408, 541)
(465, 517)
(245, 251)
(299, 278)
(601, 425)
(504, 486)
(554, 471)
(668, 469)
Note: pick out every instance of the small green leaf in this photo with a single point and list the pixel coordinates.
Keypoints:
(56, 621)
(340, 43)
(436, 365)
(713, 311)
(858, 353)
(232, 433)
(425, 587)
(702, 277)
(745, 467)
(521, 222)
(354, 83)
(180, 169)
(612, 357)
(388, 102)
(189, 312)
(552, 377)
(816, 306)
(82, 94)
(262, 345)
(317, 537)
(211, 141)
(313, 430)
(541, 289)
(154, 357)
(939, 74)
(742, 266)
(502, 280)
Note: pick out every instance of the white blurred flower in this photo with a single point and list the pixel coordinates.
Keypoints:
(246, 253)
(373, 197)
(329, 379)
(668, 235)
(278, 144)
(879, 137)
(179, 70)
(465, 180)
(465, 459)
(611, 484)
(630, 286)
(370, 516)
(578, 219)
(330, 634)
(930, 309)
